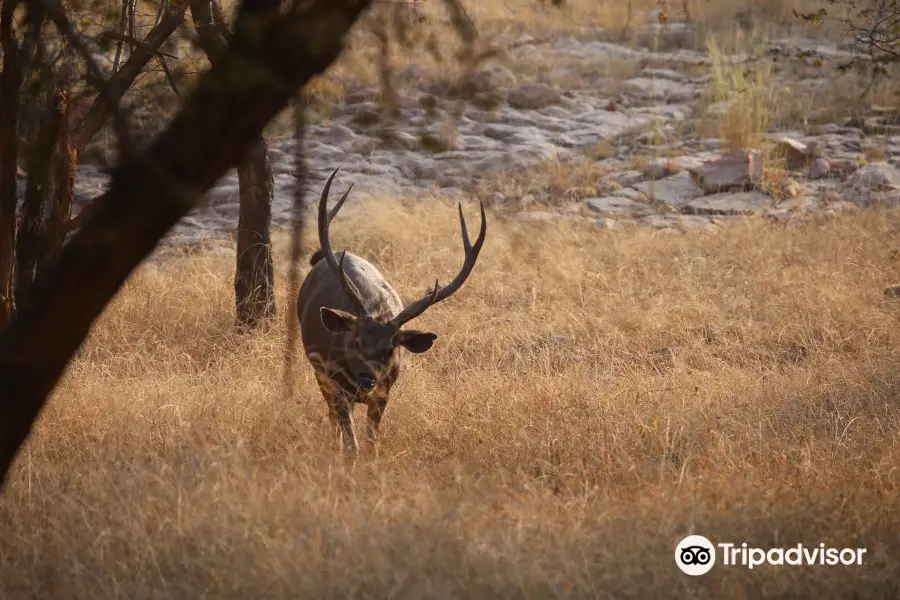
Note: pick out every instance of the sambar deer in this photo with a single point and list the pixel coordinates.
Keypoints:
(351, 319)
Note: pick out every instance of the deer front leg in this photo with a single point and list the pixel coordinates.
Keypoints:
(374, 412)
(343, 408)
(377, 402)
(339, 409)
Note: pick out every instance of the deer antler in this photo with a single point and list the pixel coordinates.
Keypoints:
(325, 218)
(417, 308)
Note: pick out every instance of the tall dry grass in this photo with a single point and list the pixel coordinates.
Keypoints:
(543, 448)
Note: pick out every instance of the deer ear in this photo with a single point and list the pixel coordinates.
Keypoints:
(416, 342)
(336, 321)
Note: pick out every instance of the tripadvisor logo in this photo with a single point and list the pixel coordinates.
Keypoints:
(696, 555)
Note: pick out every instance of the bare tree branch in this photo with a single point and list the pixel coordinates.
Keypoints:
(298, 226)
(169, 77)
(65, 165)
(108, 33)
(123, 20)
(116, 86)
(59, 18)
(270, 57)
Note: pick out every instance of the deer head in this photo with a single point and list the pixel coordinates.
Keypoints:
(370, 336)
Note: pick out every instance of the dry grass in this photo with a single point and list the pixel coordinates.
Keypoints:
(539, 450)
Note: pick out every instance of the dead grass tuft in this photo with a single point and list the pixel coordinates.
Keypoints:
(547, 446)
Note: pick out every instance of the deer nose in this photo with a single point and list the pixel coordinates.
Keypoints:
(365, 382)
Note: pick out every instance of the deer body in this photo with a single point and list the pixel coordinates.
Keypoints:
(351, 319)
(335, 363)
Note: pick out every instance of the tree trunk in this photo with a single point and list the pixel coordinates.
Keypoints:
(65, 165)
(38, 189)
(272, 55)
(254, 277)
(10, 82)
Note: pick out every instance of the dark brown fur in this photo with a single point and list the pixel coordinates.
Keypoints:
(350, 325)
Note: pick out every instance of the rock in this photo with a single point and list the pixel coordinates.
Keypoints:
(492, 77)
(873, 177)
(632, 194)
(533, 96)
(361, 96)
(675, 190)
(340, 133)
(365, 116)
(429, 102)
(398, 140)
(607, 223)
(434, 143)
(873, 184)
(736, 170)
(657, 169)
(628, 178)
(616, 205)
(790, 187)
(701, 222)
(796, 153)
(411, 72)
(658, 89)
(496, 199)
(535, 215)
(488, 101)
(739, 203)
(819, 168)
(719, 108)
(657, 221)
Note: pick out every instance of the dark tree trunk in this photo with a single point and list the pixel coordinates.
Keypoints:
(271, 56)
(254, 277)
(38, 190)
(10, 82)
(65, 164)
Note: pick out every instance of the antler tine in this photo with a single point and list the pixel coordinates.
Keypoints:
(334, 211)
(467, 245)
(325, 218)
(471, 252)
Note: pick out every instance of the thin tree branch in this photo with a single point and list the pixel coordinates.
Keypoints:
(123, 19)
(108, 33)
(169, 76)
(116, 86)
(106, 93)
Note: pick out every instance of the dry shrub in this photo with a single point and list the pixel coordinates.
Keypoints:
(538, 450)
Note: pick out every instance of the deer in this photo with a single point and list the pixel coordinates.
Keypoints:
(351, 325)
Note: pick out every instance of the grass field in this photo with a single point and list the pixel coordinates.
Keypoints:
(545, 447)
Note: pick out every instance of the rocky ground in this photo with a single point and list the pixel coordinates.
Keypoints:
(654, 171)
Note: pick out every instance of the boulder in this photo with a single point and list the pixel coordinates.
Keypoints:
(675, 190)
(738, 203)
(796, 154)
(736, 170)
(533, 96)
(616, 205)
